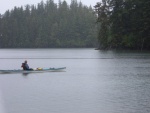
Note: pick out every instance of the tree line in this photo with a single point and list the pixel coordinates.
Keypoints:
(48, 25)
(123, 24)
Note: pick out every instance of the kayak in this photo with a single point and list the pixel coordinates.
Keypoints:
(37, 70)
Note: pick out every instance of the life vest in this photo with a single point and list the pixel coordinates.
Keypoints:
(24, 67)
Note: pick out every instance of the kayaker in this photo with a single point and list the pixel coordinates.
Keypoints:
(25, 66)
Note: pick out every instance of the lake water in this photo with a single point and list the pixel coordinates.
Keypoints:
(94, 81)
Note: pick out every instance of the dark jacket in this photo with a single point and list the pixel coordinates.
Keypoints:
(25, 66)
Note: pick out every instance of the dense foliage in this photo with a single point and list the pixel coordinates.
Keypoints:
(48, 25)
(124, 24)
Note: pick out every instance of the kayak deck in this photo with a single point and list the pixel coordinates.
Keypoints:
(34, 70)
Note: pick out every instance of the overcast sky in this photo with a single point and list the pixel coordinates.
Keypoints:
(9, 4)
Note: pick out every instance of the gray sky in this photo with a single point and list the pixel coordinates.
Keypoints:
(9, 4)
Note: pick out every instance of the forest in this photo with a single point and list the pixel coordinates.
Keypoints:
(123, 24)
(49, 25)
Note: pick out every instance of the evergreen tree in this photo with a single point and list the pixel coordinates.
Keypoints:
(103, 11)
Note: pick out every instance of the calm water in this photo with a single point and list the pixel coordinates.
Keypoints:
(94, 81)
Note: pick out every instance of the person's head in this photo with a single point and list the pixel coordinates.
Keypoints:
(25, 61)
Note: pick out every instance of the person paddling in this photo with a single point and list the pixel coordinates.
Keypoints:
(25, 66)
